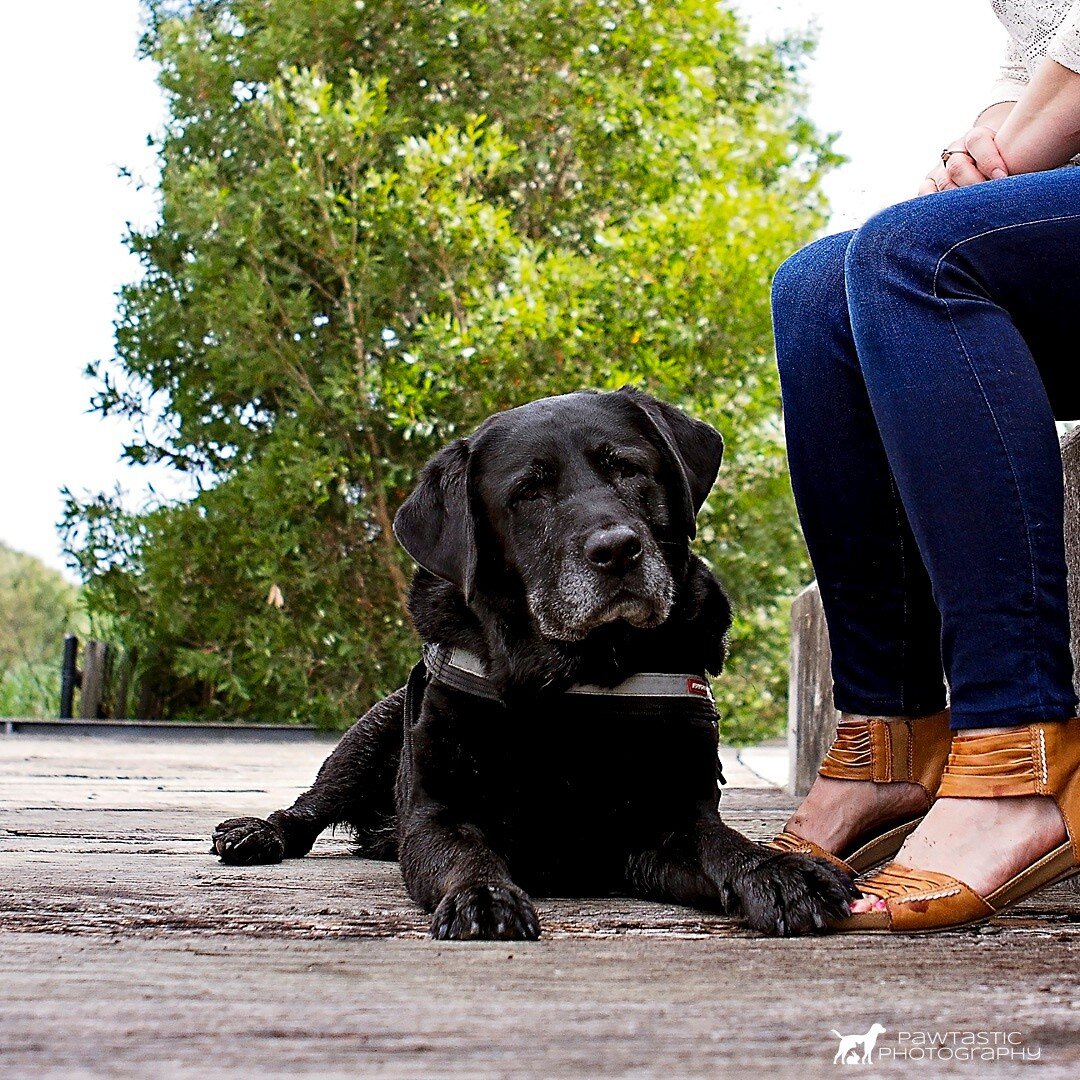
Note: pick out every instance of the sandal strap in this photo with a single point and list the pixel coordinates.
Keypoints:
(890, 748)
(896, 881)
(1039, 759)
(1002, 763)
(790, 843)
(918, 900)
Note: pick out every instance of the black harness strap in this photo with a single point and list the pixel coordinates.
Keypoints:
(464, 673)
(414, 699)
(439, 661)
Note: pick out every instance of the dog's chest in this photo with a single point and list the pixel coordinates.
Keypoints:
(572, 778)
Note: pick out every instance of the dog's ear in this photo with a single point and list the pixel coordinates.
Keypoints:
(435, 523)
(694, 448)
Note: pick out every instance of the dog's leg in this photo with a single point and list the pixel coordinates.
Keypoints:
(354, 787)
(673, 872)
(450, 870)
(716, 867)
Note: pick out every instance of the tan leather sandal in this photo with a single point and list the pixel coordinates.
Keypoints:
(885, 749)
(1040, 759)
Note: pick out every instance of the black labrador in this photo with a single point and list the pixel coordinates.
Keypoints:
(561, 738)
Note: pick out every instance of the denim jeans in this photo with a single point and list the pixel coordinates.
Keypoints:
(923, 359)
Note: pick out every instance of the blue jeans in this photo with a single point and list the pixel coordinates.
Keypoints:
(923, 359)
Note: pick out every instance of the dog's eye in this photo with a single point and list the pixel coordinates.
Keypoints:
(528, 490)
(625, 467)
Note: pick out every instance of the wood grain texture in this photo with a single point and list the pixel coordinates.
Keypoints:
(1070, 461)
(812, 719)
(126, 950)
(92, 685)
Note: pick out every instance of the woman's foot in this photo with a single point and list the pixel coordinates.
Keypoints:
(876, 780)
(983, 842)
(836, 812)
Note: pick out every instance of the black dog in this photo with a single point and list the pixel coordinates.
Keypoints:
(554, 553)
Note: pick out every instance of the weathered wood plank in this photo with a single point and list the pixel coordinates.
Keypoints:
(126, 950)
(645, 1007)
(1070, 461)
(812, 718)
(92, 685)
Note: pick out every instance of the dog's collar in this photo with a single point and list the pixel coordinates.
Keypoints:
(465, 671)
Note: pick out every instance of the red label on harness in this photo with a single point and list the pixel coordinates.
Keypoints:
(697, 687)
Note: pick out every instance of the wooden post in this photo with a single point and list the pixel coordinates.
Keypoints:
(1070, 463)
(811, 716)
(93, 679)
(69, 676)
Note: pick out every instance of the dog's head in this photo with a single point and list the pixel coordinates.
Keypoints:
(586, 500)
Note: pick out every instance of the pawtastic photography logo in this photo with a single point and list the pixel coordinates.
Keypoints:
(857, 1049)
(878, 1045)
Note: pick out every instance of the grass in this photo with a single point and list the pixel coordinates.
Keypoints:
(31, 690)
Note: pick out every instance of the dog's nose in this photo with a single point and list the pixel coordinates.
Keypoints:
(615, 548)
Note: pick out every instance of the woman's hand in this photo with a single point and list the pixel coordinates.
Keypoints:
(976, 159)
(1040, 131)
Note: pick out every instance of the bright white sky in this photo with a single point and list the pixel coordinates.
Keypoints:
(897, 80)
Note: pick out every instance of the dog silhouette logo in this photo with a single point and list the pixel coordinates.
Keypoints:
(849, 1053)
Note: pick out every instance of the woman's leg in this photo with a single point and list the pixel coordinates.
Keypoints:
(949, 295)
(963, 315)
(884, 628)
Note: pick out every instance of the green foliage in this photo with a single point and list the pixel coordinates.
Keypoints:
(381, 222)
(37, 608)
(30, 690)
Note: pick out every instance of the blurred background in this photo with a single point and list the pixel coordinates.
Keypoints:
(222, 476)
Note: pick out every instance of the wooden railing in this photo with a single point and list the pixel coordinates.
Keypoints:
(104, 681)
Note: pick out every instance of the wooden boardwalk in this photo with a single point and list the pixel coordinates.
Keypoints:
(126, 950)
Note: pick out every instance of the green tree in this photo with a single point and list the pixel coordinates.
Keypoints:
(381, 222)
(37, 608)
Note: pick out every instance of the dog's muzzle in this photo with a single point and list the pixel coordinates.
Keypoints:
(617, 576)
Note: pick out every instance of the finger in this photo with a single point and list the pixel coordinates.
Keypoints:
(980, 144)
(935, 178)
(962, 171)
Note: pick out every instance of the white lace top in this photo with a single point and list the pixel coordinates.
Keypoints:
(1037, 28)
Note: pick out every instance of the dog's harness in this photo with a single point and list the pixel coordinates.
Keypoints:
(648, 693)
(464, 671)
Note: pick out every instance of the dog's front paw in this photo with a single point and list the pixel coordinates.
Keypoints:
(486, 913)
(248, 841)
(793, 894)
